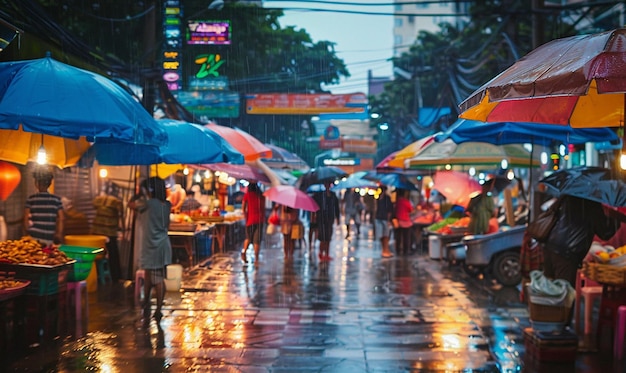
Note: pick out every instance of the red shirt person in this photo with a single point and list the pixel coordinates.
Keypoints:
(253, 206)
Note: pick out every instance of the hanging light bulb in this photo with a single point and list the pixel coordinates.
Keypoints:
(42, 157)
(622, 157)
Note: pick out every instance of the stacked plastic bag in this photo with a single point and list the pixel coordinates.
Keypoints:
(544, 291)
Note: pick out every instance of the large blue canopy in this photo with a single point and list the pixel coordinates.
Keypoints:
(188, 143)
(500, 133)
(50, 97)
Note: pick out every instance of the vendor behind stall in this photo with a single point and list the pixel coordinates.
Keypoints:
(481, 208)
(43, 212)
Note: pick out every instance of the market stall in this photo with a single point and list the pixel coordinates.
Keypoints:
(34, 291)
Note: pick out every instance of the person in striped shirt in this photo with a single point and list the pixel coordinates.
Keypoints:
(43, 215)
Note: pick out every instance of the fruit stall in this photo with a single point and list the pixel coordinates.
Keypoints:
(201, 232)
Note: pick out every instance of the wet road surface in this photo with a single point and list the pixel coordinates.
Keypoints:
(357, 313)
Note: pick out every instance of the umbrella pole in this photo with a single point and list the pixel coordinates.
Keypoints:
(530, 183)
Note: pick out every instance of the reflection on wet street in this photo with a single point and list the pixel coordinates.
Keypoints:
(356, 313)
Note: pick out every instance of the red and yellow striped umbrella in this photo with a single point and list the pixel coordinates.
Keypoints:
(578, 81)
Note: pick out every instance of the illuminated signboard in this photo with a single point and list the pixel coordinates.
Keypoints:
(171, 58)
(293, 103)
(208, 32)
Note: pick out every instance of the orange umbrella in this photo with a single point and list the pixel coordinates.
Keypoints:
(398, 158)
(21, 147)
(248, 145)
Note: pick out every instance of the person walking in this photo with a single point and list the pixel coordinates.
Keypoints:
(352, 208)
(43, 211)
(288, 219)
(403, 210)
(156, 251)
(383, 215)
(326, 217)
(253, 206)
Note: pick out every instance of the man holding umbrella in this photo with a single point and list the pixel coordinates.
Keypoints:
(326, 217)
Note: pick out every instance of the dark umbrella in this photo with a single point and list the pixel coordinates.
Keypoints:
(398, 181)
(320, 175)
(592, 183)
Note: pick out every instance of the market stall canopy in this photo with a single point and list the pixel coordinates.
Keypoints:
(50, 97)
(248, 145)
(411, 150)
(21, 147)
(499, 133)
(188, 143)
(577, 81)
(441, 155)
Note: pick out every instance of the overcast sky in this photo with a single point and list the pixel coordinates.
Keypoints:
(364, 42)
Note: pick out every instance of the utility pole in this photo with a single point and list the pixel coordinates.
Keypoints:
(537, 22)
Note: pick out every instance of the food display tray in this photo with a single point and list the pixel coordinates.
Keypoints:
(6, 294)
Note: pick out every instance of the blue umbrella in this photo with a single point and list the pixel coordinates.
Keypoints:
(501, 133)
(355, 180)
(397, 181)
(49, 97)
(188, 143)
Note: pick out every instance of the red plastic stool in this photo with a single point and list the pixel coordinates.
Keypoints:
(140, 278)
(612, 298)
(620, 333)
(587, 291)
(77, 295)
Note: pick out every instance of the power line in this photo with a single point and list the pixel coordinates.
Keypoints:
(395, 14)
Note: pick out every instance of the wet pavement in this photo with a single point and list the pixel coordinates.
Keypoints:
(357, 313)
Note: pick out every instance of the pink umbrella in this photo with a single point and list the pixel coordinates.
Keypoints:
(456, 186)
(238, 171)
(291, 196)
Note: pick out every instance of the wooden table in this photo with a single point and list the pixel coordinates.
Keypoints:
(219, 234)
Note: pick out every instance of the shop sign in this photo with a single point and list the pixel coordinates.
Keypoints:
(171, 59)
(208, 32)
(298, 104)
(331, 138)
(359, 146)
(210, 104)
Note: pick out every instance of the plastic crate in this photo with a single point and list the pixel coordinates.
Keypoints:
(203, 246)
(84, 257)
(550, 346)
(44, 280)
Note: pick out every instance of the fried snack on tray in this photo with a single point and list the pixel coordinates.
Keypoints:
(29, 251)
